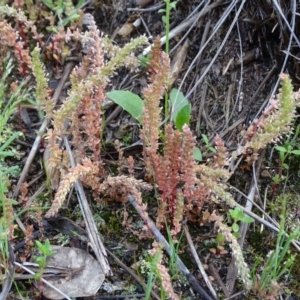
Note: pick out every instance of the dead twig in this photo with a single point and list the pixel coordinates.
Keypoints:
(198, 261)
(148, 9)
(218, 279)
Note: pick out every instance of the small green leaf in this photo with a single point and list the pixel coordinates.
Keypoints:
(70, 18)
(236, 213)
(129, 101)
(237, 234)
(212, 149)
(164, 18)
(183, 116)
(235, 227)
(197, 154)
(247, 219)
(281, 149)
(13, 201)
(233, 214)
(39, 259)
(40, 246)
(205, 139)
(172, 4)
(296, 152)
(162, 10)
(220, 238)
(286, 166)
(144, 59)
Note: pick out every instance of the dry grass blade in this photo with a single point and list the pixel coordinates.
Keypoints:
(229, 9)
(197, 259)
(10, 274)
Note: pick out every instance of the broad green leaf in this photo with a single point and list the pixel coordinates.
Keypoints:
(183, 117)
(177, 101)
(129, 101)
(197, 154)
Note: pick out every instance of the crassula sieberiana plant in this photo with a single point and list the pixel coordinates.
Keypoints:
(274, 122)
(81, 113)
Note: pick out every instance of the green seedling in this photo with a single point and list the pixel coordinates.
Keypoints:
(286, 152)
(152, 274)
(174, 252)
(166, 19)
(238, 216)
(59, 7)
(219, 248)
(207, 143)
(277, 263)
(288, 148)
(46, 251)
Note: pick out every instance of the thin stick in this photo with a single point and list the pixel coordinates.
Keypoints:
(198, 261)
(45, 281)
(148, 9)
(91, 227)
